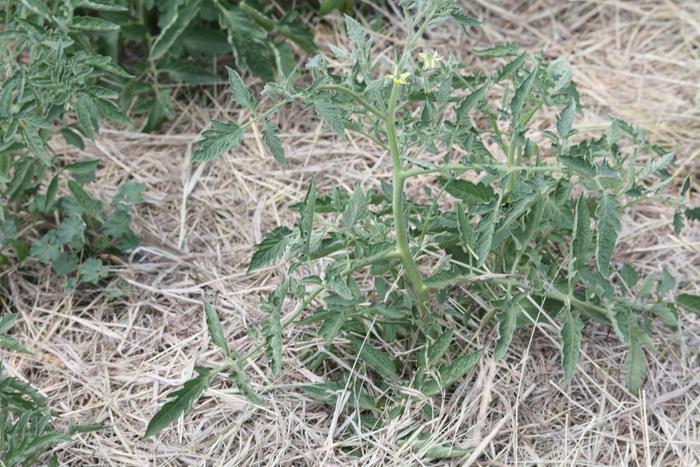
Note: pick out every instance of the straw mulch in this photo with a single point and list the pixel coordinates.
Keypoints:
(113, 360)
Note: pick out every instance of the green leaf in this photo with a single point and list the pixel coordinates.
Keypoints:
(185, 13)
(356, 33)
(91, 206)
(179, 401)
(92, 23)
(690, 302)
(38, 7)
(273, 144)
(104, 63)
(693, 214)
(242, 381)
(329, 113)
(571, 343)
(377, 360)
(100, 6)
(306, 220)
(93, 271)
(578, 165)
(471, 101)
(502, 49)
(273, 306)
(470, 193)
(73, 138)
(437, 349)
(582, 236)
(272, 248)
(450, 373)
(466, 230)
(354, 209)
(328, 393)
(507, 319)
(217, 140)
(608, 226)
(566, 119)
(86, 112)
(240, 91)
(51, 191)
(186, 71)
(485, 230)
(111, 112)
(7, 321)
(216, 331)
(510, 68)
(522, 93)
(635, 364)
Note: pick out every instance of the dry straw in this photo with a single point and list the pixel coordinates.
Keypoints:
(112, 361)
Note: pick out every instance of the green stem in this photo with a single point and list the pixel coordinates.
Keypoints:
(420, 291)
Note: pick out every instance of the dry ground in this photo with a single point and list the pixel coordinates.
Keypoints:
(113, 360)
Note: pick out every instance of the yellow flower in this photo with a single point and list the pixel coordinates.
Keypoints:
(399, 79)
(429, 60)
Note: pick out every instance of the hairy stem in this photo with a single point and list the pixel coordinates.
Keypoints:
(420, 291)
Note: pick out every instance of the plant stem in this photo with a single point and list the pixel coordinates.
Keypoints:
(420, 291)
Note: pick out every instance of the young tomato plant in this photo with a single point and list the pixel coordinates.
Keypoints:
(517, 225)
(51, 84)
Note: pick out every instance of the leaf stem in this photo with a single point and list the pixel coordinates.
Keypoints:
(456, 167)
(355, 95)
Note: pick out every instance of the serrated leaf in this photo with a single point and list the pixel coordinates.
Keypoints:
(38, 7)
(635, 364)
(185, 13)
(437, 349)
(91, 206)
(85, 111)
(608, 226)
(522, 93)
(690, 302)
(355, 208)
(485, 230)
(450, 373)
(217, 140)
(582, 236)
(566, 119)
(100, 6)
(271, 248)
(510, 67)
(7, 321)
(240, 91)
(93, 271)
(329, 113)
(306, 220)
(375, 359)
(470, 193)
(104, 63)
(216, 331)
(273, 306)
(466, 230)
(111, 112)
(502, 49)
(629, 275)
(328, 393)
(471, 101)
(92, 23)
(571, 343)
(507, 319)
(273, 144)
(356, 33)
(179, 402)
(578, 165)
